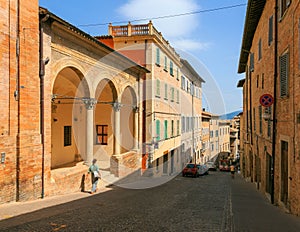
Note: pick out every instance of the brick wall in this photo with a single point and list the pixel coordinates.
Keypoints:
(20, 136)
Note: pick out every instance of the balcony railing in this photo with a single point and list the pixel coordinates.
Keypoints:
(139, 30)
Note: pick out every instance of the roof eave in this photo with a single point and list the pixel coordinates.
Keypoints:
(254, 11)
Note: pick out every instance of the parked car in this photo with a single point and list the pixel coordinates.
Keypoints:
(211, 166)
(202, 169)
(190, 170)
(224, 165)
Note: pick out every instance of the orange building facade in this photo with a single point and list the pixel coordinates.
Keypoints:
(270, 129)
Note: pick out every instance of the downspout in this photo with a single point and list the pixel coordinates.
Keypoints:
(42, 75)
(42, 64)
(294, 81)
(193, 130)
(17, 98)
(275, 102)
(144, 108)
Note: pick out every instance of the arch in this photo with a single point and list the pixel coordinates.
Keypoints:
(69, 86)
(129, 103)
(106, 95)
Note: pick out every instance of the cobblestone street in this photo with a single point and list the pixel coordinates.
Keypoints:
(209, 203)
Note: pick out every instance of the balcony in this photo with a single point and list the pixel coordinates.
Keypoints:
(140, 30)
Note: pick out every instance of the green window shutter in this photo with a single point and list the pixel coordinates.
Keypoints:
(166, 91)
(171, 68)
(172, 94)
(158, 88)
(166, 63)
(157, 130)
(157, 56)
(166, 129)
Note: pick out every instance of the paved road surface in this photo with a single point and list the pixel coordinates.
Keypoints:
(209, 203)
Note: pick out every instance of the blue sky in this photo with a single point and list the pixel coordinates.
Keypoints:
(211, 41)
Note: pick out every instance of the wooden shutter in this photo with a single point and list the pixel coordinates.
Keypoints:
(284, 64)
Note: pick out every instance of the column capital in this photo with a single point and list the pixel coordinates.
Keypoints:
(135, 109)
(89, 103)
(117, 106)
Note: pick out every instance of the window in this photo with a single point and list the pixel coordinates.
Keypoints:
(67, 136)
(166, 129)
(178, 126)
(284, 66)
(284, 4)
(217, 133)
(182, 124)
(268, 111)
(157, 164)
(177, 96)
(102, 134)
(259, 49)
(166, 91)
(177, 75)
(254, 124)
(192, 88)
(157, 56)
(172, 128)
(260, 119)
(171, 68)
(182, 82)
(157, 130)
(172, 94)
(157, 88)
(257, 81)
(251, 62)
(166, 64)
(263, 81)
(270, 38)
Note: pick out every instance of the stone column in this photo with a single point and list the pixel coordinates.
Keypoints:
(89, 104)
(117, 108)
(136, 128)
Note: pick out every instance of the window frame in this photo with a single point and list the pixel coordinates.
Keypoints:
(67, 136)
(103, 134)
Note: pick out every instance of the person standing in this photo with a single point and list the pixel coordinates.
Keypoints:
(232, 170)
(95, 175)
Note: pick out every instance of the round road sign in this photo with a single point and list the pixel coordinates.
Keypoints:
(266, 100)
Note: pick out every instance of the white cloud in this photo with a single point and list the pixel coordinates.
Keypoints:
(170, 27)
(190, 45)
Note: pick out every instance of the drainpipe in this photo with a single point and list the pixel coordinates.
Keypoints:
(144, 107)
(42, 75)
(193, 137)
(17, 98)
(275, 102)
(42, 64)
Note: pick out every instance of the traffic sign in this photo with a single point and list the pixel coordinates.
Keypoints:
(266, 100)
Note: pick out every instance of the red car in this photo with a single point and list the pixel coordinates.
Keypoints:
(190, 170)
(224, 165)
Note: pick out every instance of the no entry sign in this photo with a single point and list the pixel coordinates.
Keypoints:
(266, 100)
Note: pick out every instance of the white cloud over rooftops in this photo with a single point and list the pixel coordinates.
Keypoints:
(172, 28)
